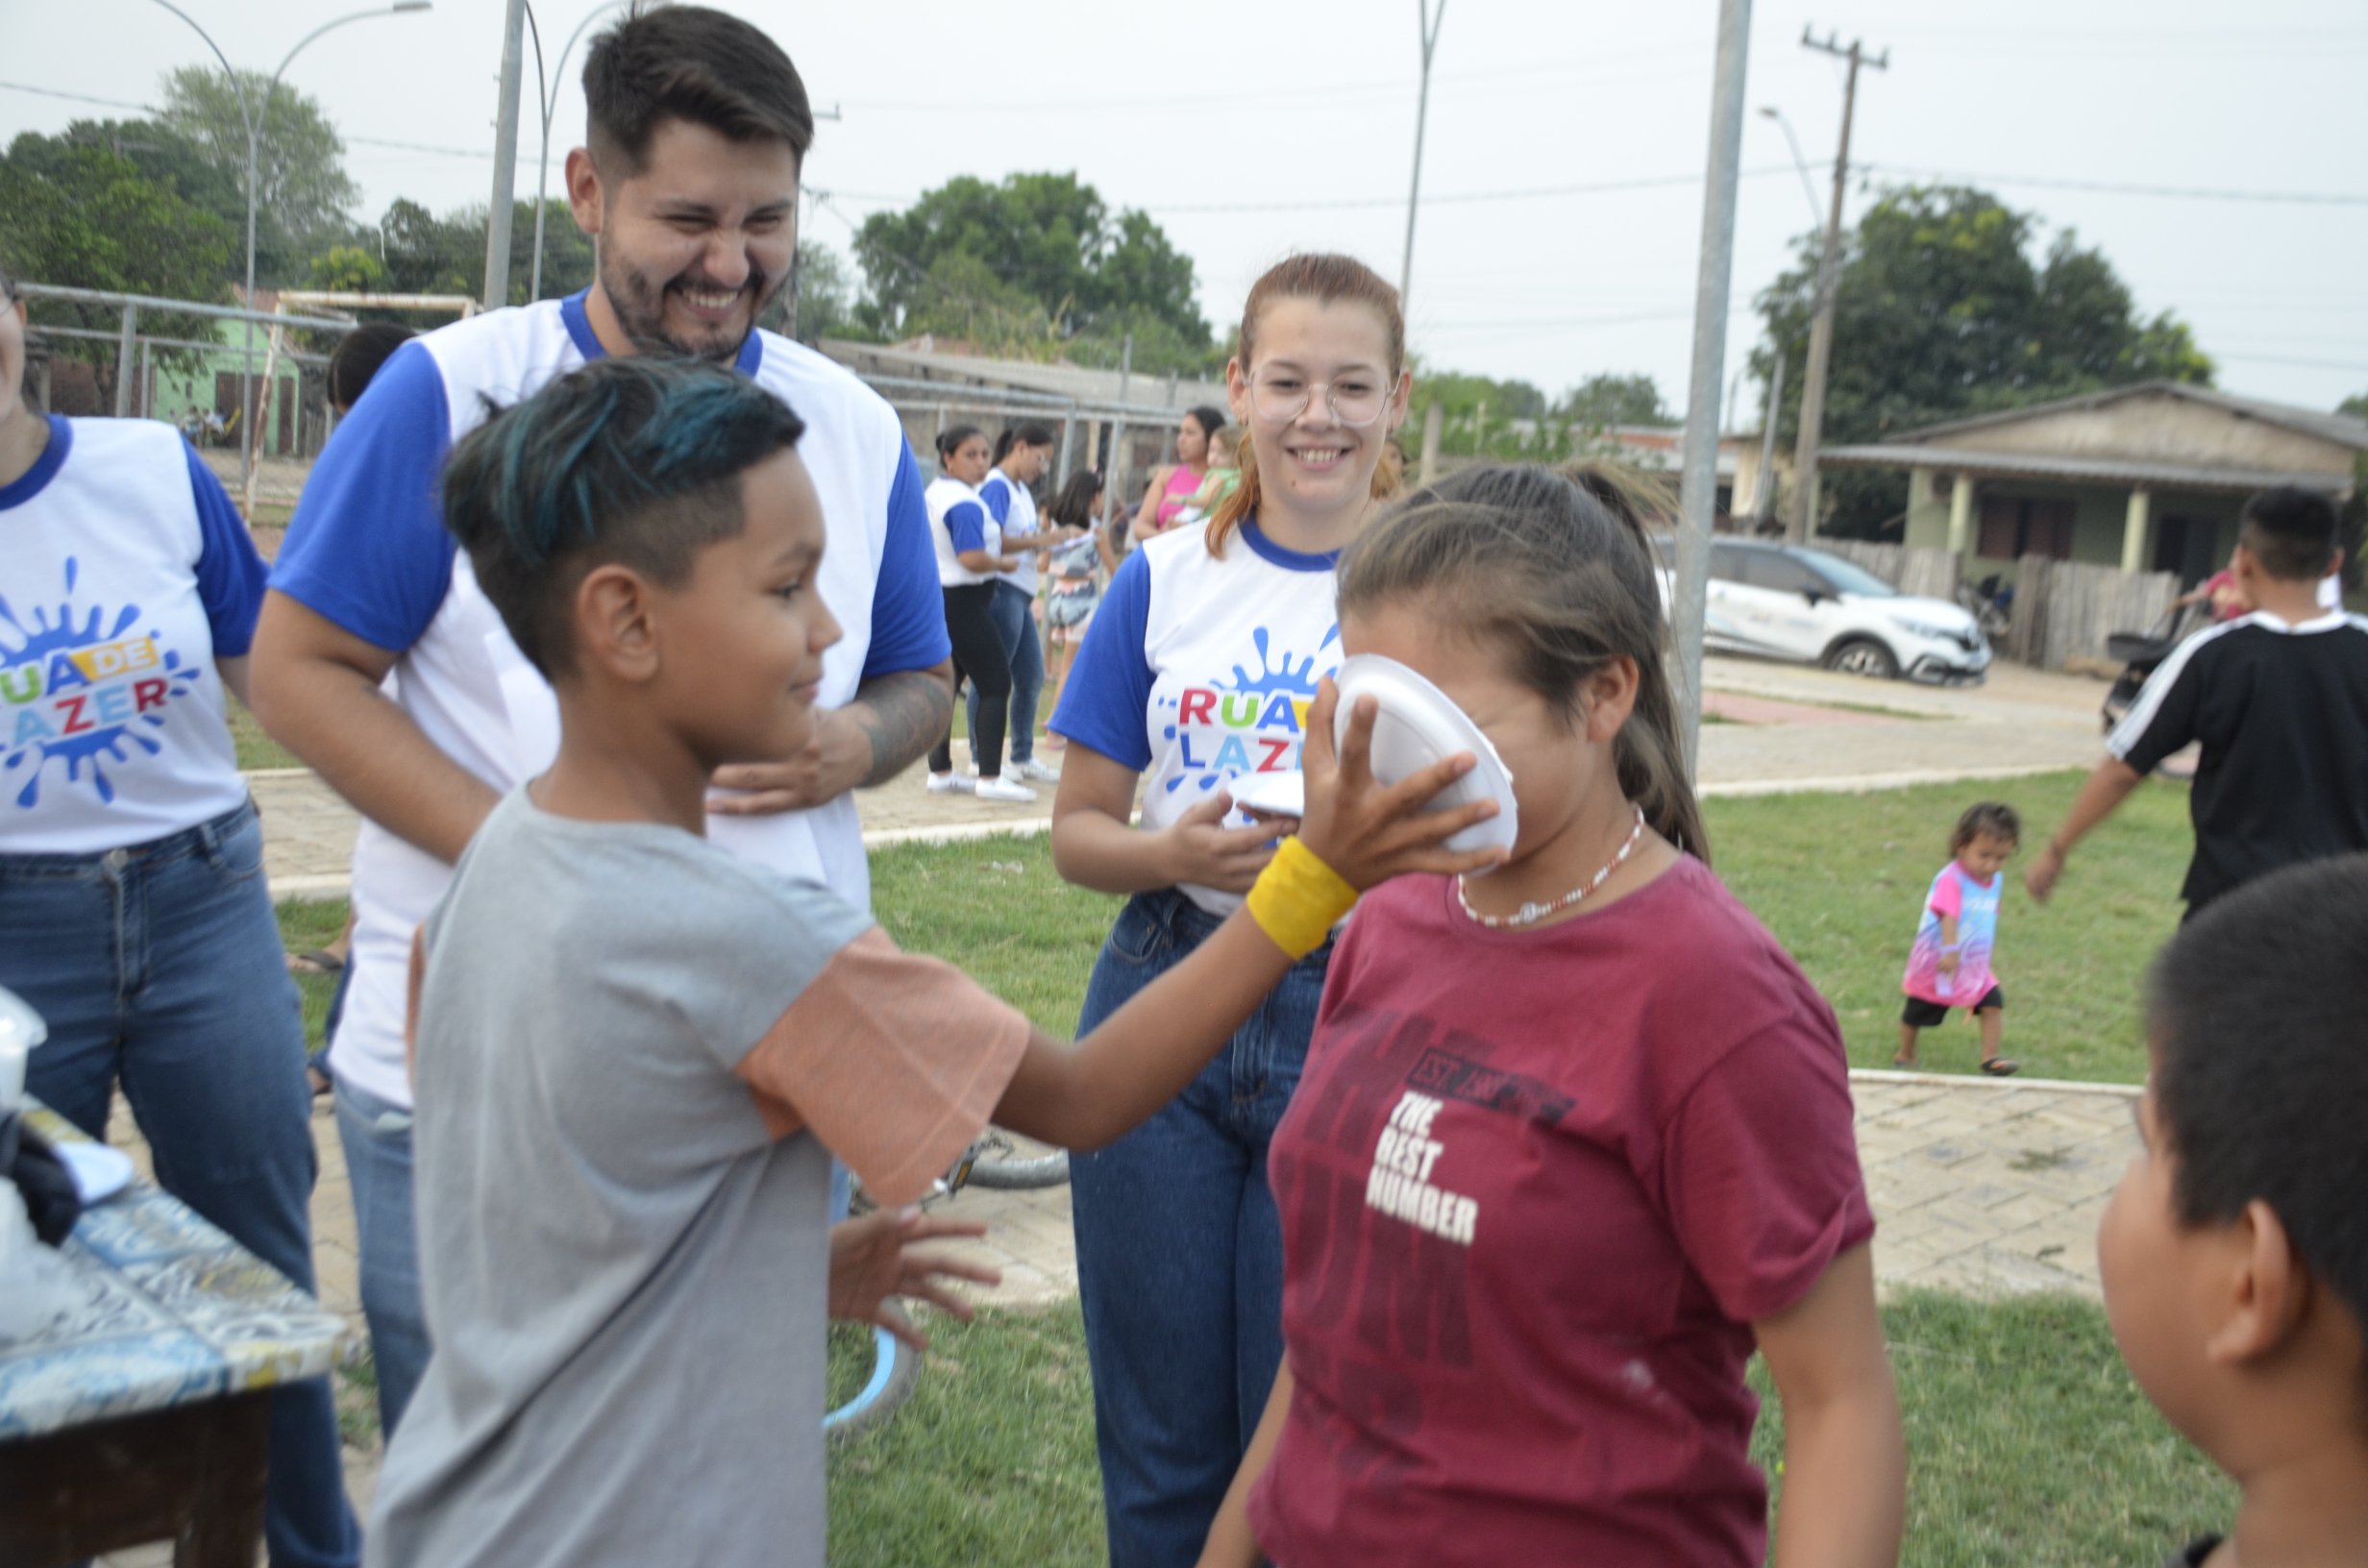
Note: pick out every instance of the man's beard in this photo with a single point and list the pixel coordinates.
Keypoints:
(640, 307)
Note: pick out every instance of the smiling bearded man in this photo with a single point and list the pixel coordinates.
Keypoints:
(699, 130)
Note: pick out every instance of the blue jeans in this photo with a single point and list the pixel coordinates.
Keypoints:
(159, 965)
(1010, 612)
(1180, 1251)
(377, 1135)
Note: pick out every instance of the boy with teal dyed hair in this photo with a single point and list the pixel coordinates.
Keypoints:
(635, 1053)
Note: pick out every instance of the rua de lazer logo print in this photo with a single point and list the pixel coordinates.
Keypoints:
(1255, 725)
(78, 688)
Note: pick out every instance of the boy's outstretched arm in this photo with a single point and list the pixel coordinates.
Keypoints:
(1845, 1458)
(1081, 1097)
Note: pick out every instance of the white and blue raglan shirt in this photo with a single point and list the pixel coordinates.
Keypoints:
(1014, 509)
(1196, 670)
(958, 521)
(368, 551)
(125, 572)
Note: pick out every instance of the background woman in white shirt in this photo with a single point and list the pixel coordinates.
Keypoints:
(132, 911)
(1205, 652)
(970, 554)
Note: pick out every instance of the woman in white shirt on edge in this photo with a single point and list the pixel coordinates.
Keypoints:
(133, 912)
(1203, 654)
(1021, 454)
(970, 554)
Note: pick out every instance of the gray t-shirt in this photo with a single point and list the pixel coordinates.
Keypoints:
(624, 1262)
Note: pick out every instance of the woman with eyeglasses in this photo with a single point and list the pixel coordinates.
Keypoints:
(1204, 654)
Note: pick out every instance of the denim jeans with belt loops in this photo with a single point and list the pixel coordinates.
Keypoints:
(1180, 1250)
(1012, 609)
(159, 965)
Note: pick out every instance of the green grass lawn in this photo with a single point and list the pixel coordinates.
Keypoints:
(2028, 1443)
(304, 925)
(2028, 1446)
(1840, 879)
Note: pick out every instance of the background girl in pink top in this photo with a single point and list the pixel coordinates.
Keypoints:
(1171, 489)
(1949, 965)
(1554, 1173)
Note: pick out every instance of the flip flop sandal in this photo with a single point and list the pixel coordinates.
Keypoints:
(1998, 1066)
(1908, 1062)
(319, 961)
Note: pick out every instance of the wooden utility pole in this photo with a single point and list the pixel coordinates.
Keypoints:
(1804, 518)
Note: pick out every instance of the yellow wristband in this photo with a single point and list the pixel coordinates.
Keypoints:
(1297, 899)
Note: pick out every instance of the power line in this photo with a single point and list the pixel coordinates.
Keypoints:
(2180, 192)
(151, 108)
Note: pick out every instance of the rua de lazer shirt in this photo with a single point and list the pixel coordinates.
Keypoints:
(368, 551)
(1535, 1188)
(124, 573)
(1198, 671)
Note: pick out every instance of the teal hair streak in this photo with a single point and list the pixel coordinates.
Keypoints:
(563, 469)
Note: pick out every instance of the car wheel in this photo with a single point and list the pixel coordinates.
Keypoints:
(1863, 656)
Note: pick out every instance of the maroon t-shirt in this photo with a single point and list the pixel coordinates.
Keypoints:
(1534, 1188)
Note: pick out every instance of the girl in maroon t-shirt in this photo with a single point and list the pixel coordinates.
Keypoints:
(1574, 1137)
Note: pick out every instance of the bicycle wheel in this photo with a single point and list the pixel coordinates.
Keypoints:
(1004, 1162)
(880, 1370)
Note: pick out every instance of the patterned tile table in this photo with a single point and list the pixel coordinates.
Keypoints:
(140, 1413)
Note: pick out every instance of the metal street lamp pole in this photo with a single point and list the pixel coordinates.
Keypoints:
(548, 86)
(246, 377)
(1429, 24)
(1698, 489)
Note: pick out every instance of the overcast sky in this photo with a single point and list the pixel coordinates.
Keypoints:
(1250, 130)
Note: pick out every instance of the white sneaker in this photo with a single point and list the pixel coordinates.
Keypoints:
(1003, 789)
(1031, 771)
(951, 784)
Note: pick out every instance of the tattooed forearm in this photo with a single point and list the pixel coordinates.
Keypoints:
(902, 714)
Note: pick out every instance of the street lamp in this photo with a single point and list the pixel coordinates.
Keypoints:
(1809, 186)
(246, 378)
(548, 85)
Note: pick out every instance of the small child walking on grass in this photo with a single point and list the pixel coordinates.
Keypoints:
(1949, 965)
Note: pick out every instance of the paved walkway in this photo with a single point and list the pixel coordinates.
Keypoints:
(1790, 729)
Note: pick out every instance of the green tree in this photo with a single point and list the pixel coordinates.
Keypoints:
(826, 296)
(81, 215)
(1048, 239)
(424, 254)
(301, 194)
(1604, 399)
(1941, 313)
(347, 269)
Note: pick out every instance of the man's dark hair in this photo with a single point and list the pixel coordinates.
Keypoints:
(1994, 817)
(357, 359)
(2291, 533)
(2261, 1074)
(687, 62)
(634, 462)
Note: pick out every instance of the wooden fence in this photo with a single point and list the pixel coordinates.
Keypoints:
(2064, 610)
(1926, 574)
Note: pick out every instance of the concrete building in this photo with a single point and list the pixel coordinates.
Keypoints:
(2148, 477)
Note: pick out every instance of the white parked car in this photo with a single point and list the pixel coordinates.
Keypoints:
(1783, 601)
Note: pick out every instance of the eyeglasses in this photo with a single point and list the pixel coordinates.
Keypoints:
(1356, 400)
